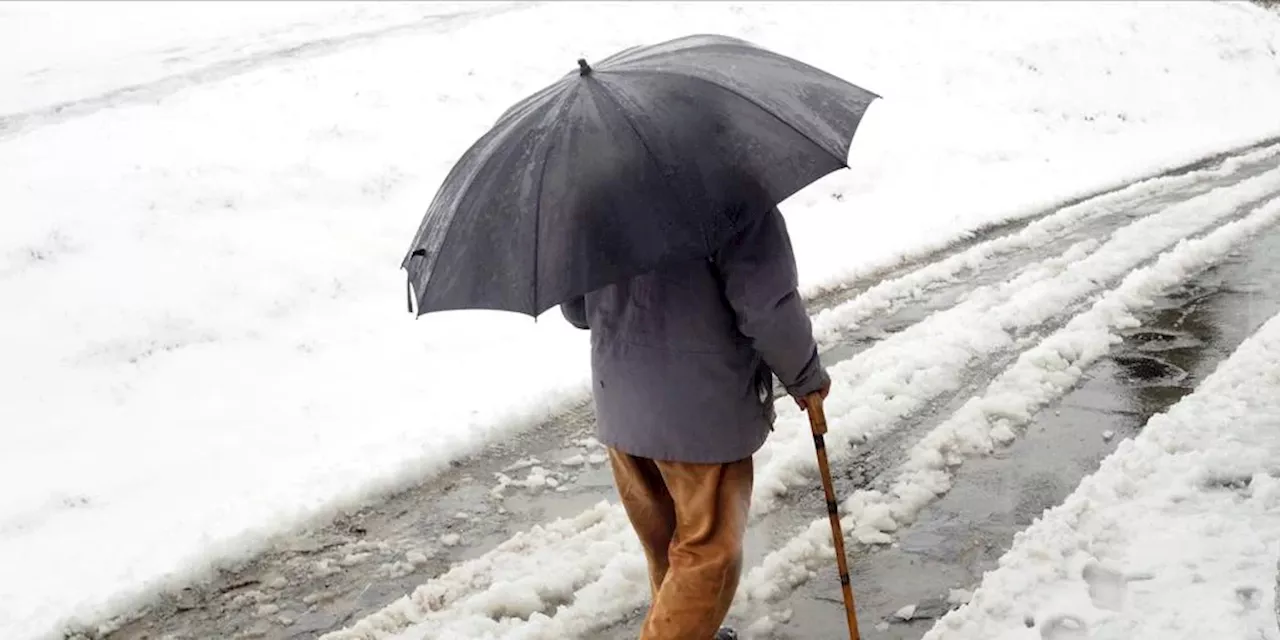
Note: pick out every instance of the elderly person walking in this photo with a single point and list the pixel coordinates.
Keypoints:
(682, 366)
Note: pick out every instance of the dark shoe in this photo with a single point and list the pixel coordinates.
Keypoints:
(726, 634)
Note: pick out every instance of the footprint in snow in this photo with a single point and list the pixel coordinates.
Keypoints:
(1107, 587)
(1064, 627)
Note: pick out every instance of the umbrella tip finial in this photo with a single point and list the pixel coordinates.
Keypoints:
(584, 69)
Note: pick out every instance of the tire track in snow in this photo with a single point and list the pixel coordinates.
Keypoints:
(847, 327)
(12, 124)
(1040, 376)
(438, 601)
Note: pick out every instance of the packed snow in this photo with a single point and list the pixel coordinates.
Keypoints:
(1175, 536)
(205, 210)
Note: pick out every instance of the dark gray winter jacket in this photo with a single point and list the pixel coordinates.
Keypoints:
(681, 359)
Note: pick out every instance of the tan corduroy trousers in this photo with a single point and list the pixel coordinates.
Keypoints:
(691, 520)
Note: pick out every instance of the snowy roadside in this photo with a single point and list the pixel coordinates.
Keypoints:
(1175, 536)
(883, 297)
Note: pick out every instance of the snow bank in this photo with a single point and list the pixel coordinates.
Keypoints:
(208, 321)
(1175, 536)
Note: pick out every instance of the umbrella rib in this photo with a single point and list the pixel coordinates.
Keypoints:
(842, 161)
(552, 136)
(653, 158)
(493, 138)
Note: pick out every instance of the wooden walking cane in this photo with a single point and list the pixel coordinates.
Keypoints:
(818, 421)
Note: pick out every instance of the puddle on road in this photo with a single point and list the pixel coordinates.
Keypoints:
(1148, 371)
(1183, 338)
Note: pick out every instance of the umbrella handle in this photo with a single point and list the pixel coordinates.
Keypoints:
(818, 422)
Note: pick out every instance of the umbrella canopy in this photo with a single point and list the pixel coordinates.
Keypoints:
(656, 154)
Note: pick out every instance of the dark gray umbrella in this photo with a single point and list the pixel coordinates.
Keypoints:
(657, 154)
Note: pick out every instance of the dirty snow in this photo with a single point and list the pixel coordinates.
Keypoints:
(206, 318)
(1175, 536)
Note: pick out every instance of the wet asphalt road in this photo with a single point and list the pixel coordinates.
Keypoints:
(322, 580)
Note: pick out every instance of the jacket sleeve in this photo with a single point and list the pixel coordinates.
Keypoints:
(575, 311)
(758, 272)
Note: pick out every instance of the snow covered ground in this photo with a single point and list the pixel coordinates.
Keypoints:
(1175, 536)
(206, 342)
